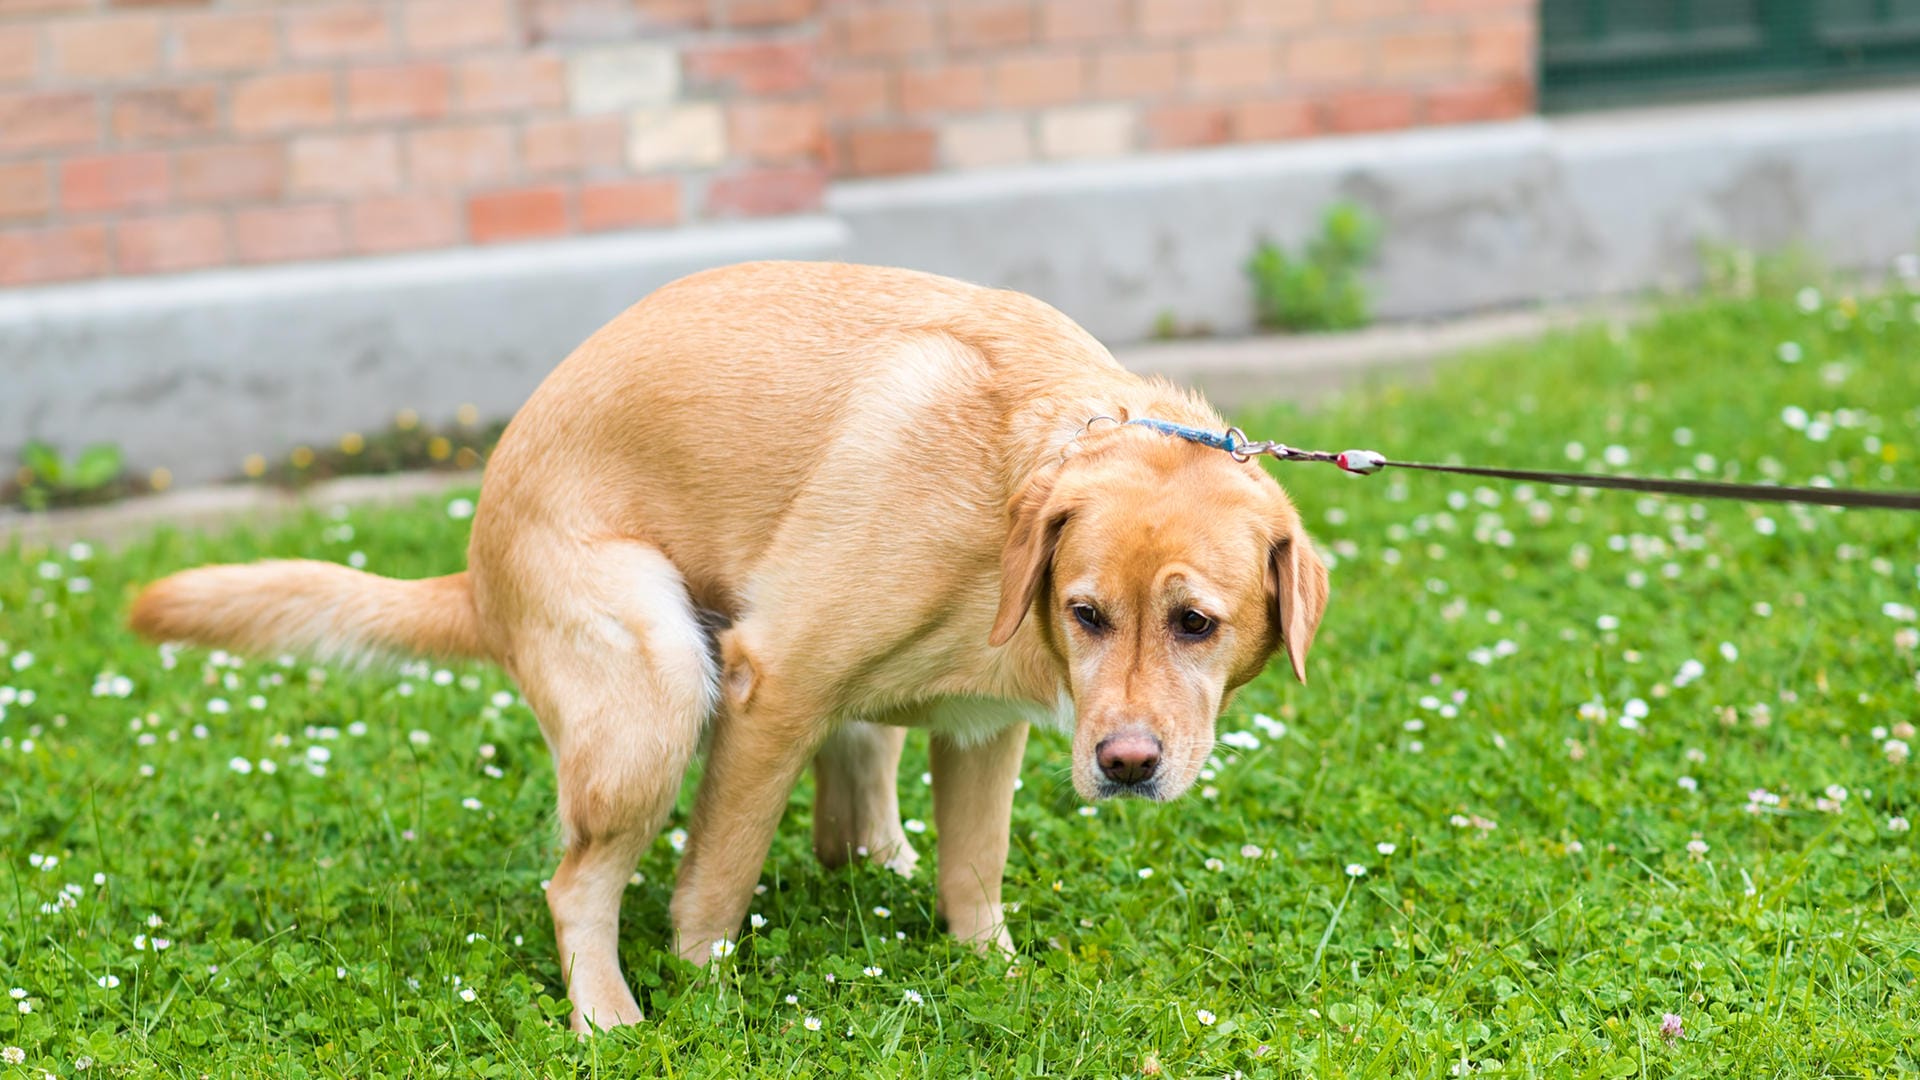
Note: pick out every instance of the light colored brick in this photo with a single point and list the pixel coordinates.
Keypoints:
(521, 214)
(629, 204)
(985, 142)
(887, 150)
(399, 92)
(106, 50)
(759, 192)
(1086, 131)
(245, 172)
(1137, 73)
(1226, 67)
(960, 87)
(284, 102)
(338, 31)
(776, 131)
(171, 243)
(285, 233)
(1039, 79)
(358, 164)
(623, 77)
(227, 43)
(987, 24)
(571, 145)
(581, 21)
(47, 121)
(19, 54)
(445, 26)
(1083, 20)
(409, 222)
(62, 253)
(166, 114)
(534, 82)
(112, 182)
(25, 191)
(471, 155)
(676, 136)
(1182, 18)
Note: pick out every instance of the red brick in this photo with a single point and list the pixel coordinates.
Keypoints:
(359, 164)
(158, 3)
(176, 242)
(47, 121)
(1225, 67)
(1469, 102)
(1180, 126)
(299, 99)
(753, 67)
(880, 151)
(1369, 110)
(671, 13)
(1137, 73)
(767, 12)
(1281, 118)
(1277, 14)
(106, 50)
(884, 31)
(113, 182)
(943, 88)
(1365, 11)
(286, 233)
(24, 190)
(772, 131)
(580, 21)
(227, 43)
(573, 145)
(166, 114)
(234, 173)
(1039, 79)
(35, 7)
(19, 54)
(518, 214)
(1501, 50)
(762, 192)
(988, 24)
(32, 256)
(1329, 58)
(460, 157)
(444, 26)
(1419, 53)
(857, 94)
(1464, 7)
(627, 204)
(1083, 20)
(403, 92)
(404, 222)
(512, 84)
(1182, 18)
(336, 31)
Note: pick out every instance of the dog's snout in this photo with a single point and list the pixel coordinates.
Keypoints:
(1128, 758)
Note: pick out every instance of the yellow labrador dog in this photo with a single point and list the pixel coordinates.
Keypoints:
(803, 507)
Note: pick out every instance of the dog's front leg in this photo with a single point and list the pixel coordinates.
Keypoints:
(973, 807)
(758, 750)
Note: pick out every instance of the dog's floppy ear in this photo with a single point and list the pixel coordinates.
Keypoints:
(1038, 516)
(1297, 580)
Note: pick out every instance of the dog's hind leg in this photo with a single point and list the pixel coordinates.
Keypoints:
(856, 801)
(618, 669)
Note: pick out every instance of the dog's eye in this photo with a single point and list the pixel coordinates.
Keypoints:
(1194, 625)
(1089, 617)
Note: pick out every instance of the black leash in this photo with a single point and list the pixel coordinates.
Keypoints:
(1365, 462)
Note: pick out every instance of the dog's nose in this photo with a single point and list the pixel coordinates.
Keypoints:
(1128, 758)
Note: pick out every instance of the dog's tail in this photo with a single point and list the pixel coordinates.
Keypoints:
(319, 610)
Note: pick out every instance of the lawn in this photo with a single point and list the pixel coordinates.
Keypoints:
(1585, 785)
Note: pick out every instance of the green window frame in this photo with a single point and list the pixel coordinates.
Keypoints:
(1610, 52)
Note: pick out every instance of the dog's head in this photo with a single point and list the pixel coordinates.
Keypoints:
(1164, 575)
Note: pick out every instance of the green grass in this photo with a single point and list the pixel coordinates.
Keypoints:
(319, 918)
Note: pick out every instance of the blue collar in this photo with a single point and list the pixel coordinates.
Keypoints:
(1219, 440)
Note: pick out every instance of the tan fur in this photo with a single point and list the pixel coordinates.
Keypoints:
(889, 489)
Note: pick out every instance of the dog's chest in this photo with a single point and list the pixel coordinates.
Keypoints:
(969, 719)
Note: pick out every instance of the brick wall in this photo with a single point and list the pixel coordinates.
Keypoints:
(149, 136)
